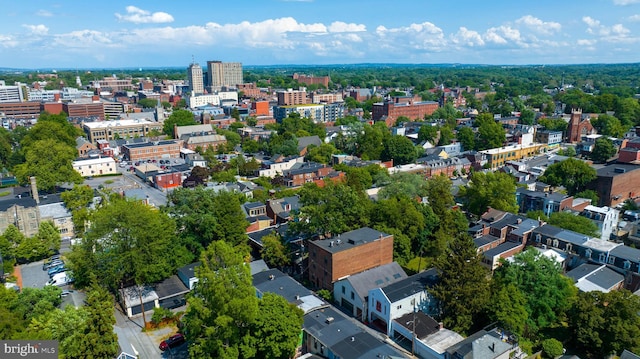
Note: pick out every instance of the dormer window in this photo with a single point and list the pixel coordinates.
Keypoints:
(627, 264)
(602, 257)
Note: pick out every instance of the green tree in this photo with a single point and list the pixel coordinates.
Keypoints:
(98, 339)
(552, 348)
(590, 194)
(428, 133)
(602, 324)
(178, 118)
(446, 136)
(80, 196)
(572, 173)
(205, 217)
(490, 133)
(462, 305)
(509, 309)
(274, 252)
(603, 150)
(552, 124)
(548, 292)
(49, 235)
(466, 137)
(408, 184)
(399, 149)
(332, 209)
(322, 153)
(527, 117)
(223, 306)
(493, 189)
(276, 330)
(50, 162)
(53, 127)
(574, 223)
(609, 126)
(370, 141)
(127, 243)
(147, 103)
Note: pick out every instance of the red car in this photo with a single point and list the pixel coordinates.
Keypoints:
(172, 342)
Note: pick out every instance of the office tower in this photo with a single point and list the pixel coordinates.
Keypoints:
(196, 82)
(224, 74)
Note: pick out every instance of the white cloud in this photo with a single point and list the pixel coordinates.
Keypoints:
(44, 13)
(634, 18)
(467, 37)
(586, 42)
(7, 41)
(339, 26)
(84, 39)
(615, 33)
(501, 35)
(139, 16)
(422, 37)
(625, 2)
(539, 26)
(37, 29)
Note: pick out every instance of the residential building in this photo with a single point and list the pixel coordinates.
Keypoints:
(616, 183)
(594, 277)
(352, 292)
(312, 80)
(292, 97)
(95, 166)
(152, 150)
(606, 218)
(313, 112)
(59, 215)
(331, 334)
(271, 167)
(485, 345)
(547, 202)
(196, 81)
(423, 336)
(224, 74)
(187, 274)
(498, 157)
(275, 282)
(203, 136)
(84, 147)
(390, 110)
(402, 297)
(550, 138)
(325, 97)
(110, 130)
(491, 258)
(281, 210)
(347, 254)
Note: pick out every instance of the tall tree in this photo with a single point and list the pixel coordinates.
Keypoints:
(274, 252)
(179, 117)
(98, 339)
(276, 329)
(603, 150)
(493, 189)
(223, 305)
(572, 173)
(50, 162)
(461, 304)
(466, 137)
(400, 149)
(574, 223)
(608, 125)
(490, 133)
(547, 291)
(205, 216)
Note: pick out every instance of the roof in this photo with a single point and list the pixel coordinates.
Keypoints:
(589, 277)
(572, 237)
(54, 210)
(308, 140)
(170, 287)
(205, 139)
(258, 266)
(504, 247)
(409, 286)
(375, 278)
(616, 170)
(548, 230)
(349, 239)
(442, 340)
(628, 355)
(481, 345)
(151, 144)
(93, 161)
(625, 252)
(484, 240)
(257, 236)
(276, 282)
(184, 130)
(345, 337)
(419, 323)
(525, 226)
(189, 271)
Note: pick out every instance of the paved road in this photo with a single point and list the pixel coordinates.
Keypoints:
(33, 276)
(134, 341)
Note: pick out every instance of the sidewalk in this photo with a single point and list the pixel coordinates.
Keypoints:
(18, 274)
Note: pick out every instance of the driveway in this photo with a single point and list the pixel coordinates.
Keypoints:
(33, 276)
(134, 341)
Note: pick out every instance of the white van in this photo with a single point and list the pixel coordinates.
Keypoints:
(60, 279)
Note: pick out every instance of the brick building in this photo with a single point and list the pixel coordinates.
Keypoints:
(390, 110)
(291, 97)
(21, 110)
(578, 127)
(312, 80)
(250, 90)
(107, 130)
(260, 108)
(84, 109)
(631, 152)
(616, 183)
(152, 150)
(349, 253)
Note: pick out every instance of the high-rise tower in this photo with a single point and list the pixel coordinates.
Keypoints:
(194, 75)
(224, 74)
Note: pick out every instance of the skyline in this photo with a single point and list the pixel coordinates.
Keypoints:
(44, 35)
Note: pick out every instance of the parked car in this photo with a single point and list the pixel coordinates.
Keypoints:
(53, 263)
(65, 292)
(56, 270)
(172, 342)
(61, 279)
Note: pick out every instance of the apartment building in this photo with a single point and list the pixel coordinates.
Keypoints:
(224, 74)
(152, 150)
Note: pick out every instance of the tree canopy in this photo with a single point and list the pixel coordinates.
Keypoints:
(493, 189)
(50, 162)
(179, 117)
(571, 173)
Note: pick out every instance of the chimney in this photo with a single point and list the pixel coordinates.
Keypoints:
(440, 325)
(34, 189)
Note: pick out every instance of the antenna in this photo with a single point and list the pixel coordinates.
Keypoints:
(193, 59)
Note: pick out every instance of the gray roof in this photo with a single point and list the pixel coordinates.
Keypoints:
(572, 237)
(274, 281)
(189, 271)
(419, 323)
(600, 275)
(525, 226)
(170, 287)
(193, 129)
(548, 230)
(509, 219)
(350, 239)
(376, 278)
(308, 140)
(504, 247)
(345, 337)
(628, 253)
(628, 355)
(409, 286)
(150, 144)
(54, 210)
(616, 170)
(484, 240)
(258, 266)
(481, 345)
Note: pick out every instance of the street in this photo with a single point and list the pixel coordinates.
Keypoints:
(134, 341)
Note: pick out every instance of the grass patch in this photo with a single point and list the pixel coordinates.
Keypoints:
(3, 194)
(424, 263)
(108, 182)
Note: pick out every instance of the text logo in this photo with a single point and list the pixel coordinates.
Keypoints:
(32, 349)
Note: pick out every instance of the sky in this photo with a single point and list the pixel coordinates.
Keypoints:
(37, 34)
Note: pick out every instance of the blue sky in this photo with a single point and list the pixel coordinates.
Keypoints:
(116, 34)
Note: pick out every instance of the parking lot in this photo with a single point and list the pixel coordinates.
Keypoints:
(33, 276)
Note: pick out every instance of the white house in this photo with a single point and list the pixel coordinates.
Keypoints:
(95, 166)
(271, 169)
(606, 218)
(352, 292)
(402, 297)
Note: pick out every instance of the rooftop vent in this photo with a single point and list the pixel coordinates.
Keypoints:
(329, 320)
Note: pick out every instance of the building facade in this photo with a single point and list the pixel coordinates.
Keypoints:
(224, 74)
(498, 157)
(152, 150)
(292, 97)
(390, 110)
(196, 81)
(346, 254)
(95, 166)
(110, 130)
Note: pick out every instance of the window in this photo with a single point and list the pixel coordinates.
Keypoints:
(343, 290)
(627, 264)
(555, 243)
(353, 296)
(601, 257)
(612, 260)
(378, 306)
(538, 237)
(399, 307)
(588, 253)
(568, 247)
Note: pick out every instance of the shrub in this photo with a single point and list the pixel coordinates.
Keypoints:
(161, 314)
(551, 348)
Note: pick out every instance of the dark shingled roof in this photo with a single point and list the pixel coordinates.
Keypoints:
(350, 239)
(412, 285)
(424, 325)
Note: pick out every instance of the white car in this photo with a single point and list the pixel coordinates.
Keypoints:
(60, 279)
